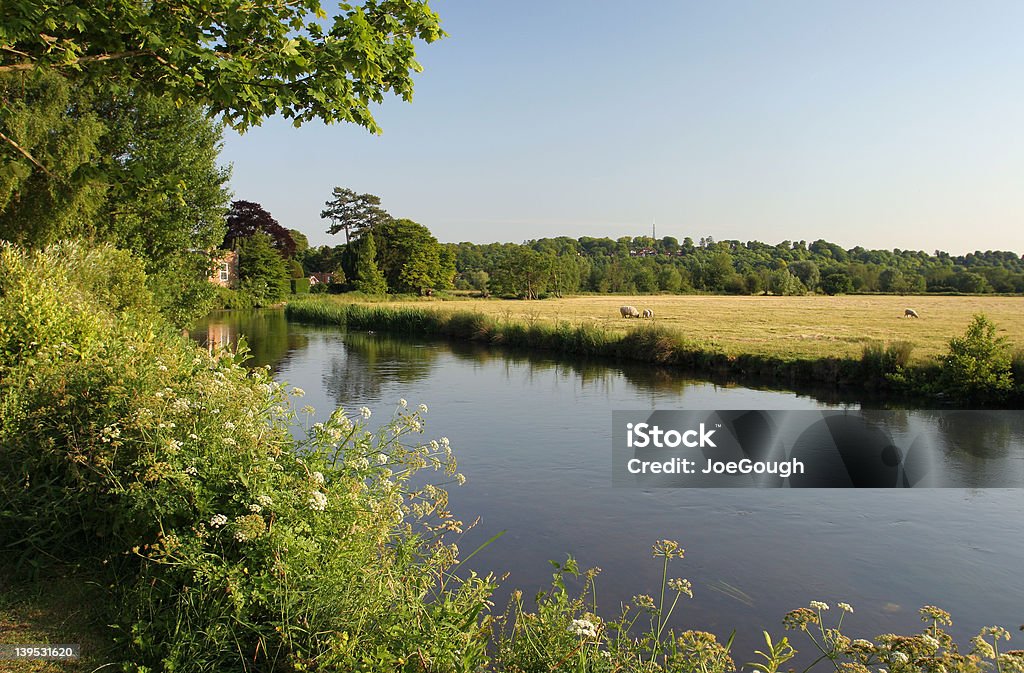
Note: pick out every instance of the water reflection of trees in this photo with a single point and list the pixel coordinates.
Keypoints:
(589, 372)
(265, 330)
(371, 360)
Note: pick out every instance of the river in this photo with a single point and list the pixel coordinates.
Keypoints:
(533, 436)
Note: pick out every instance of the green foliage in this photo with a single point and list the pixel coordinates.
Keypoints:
(782, 282)
(300, 285)
(131, 169)
(368, 277)
(410, 257)
(245, 62)
(565, 633)
(262, 270)
(58, 127)
(978, 366)
(885, 362)
(225, 542)
(837, 283)
(353, 213)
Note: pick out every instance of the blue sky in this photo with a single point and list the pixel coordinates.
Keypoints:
(864, 123)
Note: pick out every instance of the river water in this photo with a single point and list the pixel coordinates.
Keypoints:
(533, 436)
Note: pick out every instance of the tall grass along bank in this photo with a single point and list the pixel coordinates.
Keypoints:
(882, 366)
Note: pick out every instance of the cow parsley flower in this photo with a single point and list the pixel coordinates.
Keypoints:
(218, 520)
(845, 607)
(317, 501)
(818, 605)
(402, 403)
(584, 628)
(318, 477)
(298, 392)
(423, 408)
(364, 412)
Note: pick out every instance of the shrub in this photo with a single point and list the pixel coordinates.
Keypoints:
(227, 543)
(978, 366)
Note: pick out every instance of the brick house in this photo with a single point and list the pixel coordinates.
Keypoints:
(224, 268)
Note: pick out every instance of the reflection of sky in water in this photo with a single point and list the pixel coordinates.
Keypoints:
(533, 437)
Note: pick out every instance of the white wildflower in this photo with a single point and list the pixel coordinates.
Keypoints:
(158, 393)
(444, 442)
(317, 501)
(682, 586)
(818, 605)
(255, 508)
(298, 392)
(230, 441)
(865, 644)
(382, 458)
(264, 500)
(900, 657)
(845, 607)
(584, 628)
(191, 471)
(931, 641)
(423, 408)
(364, 412)
(461, 478)
(361, 463)
(318, 477)
(218, 520)
(229, 426)
(402, 403)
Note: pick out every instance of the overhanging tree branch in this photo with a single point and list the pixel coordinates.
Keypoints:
(25, 153)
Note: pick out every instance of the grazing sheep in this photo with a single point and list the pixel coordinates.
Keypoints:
(910, 313)
(629, 312)
(648, 313)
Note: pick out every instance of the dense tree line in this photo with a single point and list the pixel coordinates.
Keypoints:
(553, 266)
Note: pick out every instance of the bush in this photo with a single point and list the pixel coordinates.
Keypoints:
(978, 366)
(227, 543)
(300, 286)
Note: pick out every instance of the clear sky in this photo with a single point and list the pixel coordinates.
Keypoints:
(882, 124)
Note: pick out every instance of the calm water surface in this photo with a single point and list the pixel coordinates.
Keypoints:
(533, 436)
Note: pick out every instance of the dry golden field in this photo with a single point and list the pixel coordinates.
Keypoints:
(789, 327)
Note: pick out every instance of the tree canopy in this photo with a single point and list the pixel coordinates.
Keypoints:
(244, 60)
(353, 213)
(246, 218)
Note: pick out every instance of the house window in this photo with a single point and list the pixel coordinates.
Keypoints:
(224, 272)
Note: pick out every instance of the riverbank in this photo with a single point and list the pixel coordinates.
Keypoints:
(879, 366)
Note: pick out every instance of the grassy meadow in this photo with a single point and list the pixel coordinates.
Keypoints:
(806, 327)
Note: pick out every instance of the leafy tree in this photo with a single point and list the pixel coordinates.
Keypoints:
(837, 283)
(301, 242)
(262, 270)
(53, 129)
(808, 273)
(247, 218)
(135, 170)
(245, 61)
(368, 277)
(353, 213)
(782, 282)
(410, 257)
(478, 281)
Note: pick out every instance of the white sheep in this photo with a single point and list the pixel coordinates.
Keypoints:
(910, 313)
(648, 313)
(629, 312)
